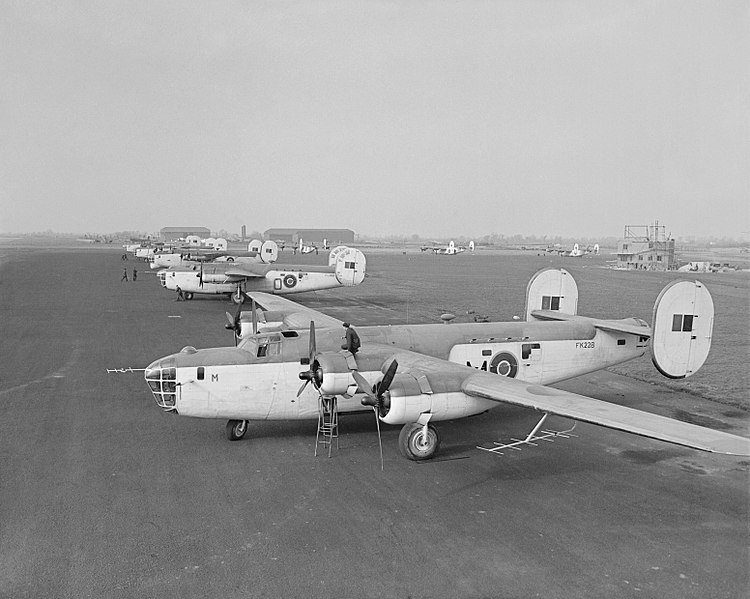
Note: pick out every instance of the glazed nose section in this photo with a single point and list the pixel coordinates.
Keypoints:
(162, 274)
(161, 377)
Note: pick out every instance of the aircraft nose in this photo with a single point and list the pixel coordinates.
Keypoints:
(161, 377)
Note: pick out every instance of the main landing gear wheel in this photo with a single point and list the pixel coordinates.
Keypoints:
(415, 445)
(188, 295)
(236, 429)
(238, 297)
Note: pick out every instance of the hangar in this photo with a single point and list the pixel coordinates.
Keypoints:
(333, 236)
(177, 233)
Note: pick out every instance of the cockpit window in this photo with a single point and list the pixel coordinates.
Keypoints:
(262, 347)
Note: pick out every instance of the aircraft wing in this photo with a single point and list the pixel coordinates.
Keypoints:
(297, 316)
(247, 271)
(570, 405)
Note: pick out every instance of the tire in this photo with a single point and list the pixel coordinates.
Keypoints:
(237, 298)
(410, 442)
(236, 429)
(188, 295)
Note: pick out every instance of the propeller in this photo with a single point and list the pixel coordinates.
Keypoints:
(310, 374)
(200, 276)
(233, 322)
(376, 397)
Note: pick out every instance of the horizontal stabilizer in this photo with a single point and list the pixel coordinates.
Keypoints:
(631, 326)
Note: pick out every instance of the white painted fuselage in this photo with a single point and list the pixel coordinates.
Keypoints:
(213, 281)
(259, 379)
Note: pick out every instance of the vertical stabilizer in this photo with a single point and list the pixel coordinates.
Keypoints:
(683, 324)
(334, 254)
(552, 289)
(350, 267)
(269, 251)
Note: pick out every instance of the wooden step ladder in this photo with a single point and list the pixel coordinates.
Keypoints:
(328, 423)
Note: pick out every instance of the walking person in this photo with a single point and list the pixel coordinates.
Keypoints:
(180, 297)
(124, 274)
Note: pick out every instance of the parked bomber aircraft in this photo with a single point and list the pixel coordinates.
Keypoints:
(415, 375)
(232, 278)
(186, 258)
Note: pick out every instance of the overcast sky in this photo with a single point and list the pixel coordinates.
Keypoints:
(571, 118)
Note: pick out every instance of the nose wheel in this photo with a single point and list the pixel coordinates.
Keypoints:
(236, 429)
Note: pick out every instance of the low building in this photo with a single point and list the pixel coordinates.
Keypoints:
(646, 247)
(292, 236)
(168, 234)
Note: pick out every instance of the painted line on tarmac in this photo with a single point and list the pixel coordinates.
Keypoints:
(60, 373)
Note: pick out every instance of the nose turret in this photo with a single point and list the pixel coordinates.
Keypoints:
(161, 378)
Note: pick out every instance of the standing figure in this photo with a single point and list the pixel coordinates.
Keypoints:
(135, 275)
(180, 297)
(124, 274)
(351, 339)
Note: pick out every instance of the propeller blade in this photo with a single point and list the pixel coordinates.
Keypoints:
(255, 316)
(312, 348)
(308, 375)
(230, 321)
(364, 386)
(385, 384)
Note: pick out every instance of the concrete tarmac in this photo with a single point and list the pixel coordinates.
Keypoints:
(104, 495)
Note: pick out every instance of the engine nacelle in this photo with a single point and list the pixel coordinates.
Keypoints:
(332, 373)
(405, 401)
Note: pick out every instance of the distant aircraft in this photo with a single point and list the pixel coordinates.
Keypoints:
(450, 250)
(234, 278)
(415, 375)
(303, 248)
(578, 252)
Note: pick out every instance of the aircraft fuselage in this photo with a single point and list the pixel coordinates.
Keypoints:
(214, 281)
(259, 379)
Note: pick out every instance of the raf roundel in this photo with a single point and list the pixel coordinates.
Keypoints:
(290, 280)
(504, 364)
